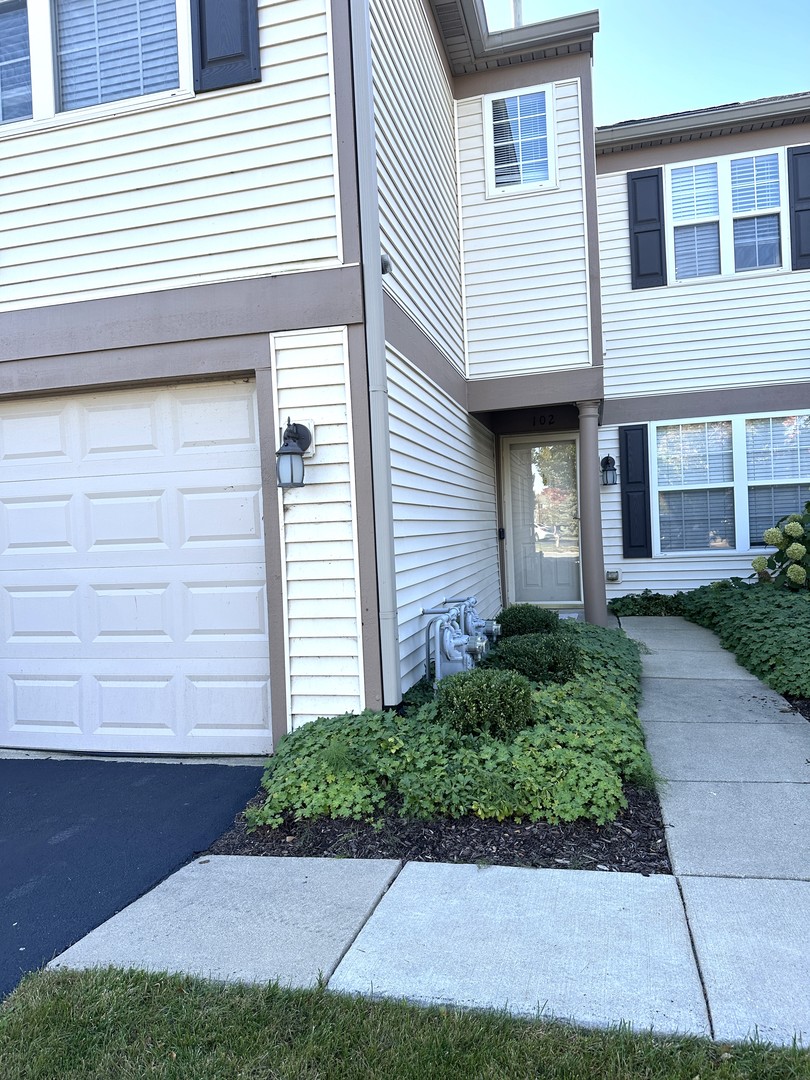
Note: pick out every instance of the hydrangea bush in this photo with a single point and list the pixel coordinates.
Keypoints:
(790, 563)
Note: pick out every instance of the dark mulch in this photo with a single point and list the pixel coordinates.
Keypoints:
(634, 842)
(800, 704)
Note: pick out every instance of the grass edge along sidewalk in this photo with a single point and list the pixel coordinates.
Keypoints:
(95, 1025)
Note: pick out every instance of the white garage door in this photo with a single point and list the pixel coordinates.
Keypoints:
(132, 583)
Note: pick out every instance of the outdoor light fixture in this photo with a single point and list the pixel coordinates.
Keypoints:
(609, 475)
(290, 455)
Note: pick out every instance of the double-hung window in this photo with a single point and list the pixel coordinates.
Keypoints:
(727, 215)
(60, 55)
(720, 483)
(519, 141)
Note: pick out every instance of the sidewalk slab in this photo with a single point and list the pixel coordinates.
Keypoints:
(758, 753)
(754, 954)
(696, 664)
(691, 639)
(737, 829)
(713, 701)
(661, 622)
(242, 918)
(594, 948)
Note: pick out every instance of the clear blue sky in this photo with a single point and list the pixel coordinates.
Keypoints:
(661, 56)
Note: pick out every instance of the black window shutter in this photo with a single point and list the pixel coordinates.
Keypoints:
(225, 37)
(645, 201)
(635, 480)
(799, 187)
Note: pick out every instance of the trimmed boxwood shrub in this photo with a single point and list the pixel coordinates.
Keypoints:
(481, 702)
(527, 619)
(540, 657)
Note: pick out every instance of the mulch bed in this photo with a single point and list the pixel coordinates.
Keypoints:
(633, 843)
(800, 704)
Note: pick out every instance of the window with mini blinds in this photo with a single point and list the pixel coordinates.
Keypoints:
(728, 216)
(721, 483)
(57, 56)
(520, 148)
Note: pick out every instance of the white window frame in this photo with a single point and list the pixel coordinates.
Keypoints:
(517, 190)
(726, 217)
(42, 51)
(739, 484)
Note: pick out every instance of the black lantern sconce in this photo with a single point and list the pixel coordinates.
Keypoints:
(609, 474)
(290, 455)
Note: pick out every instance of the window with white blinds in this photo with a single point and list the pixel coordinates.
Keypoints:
(112, 49)
(60, 55)
(777, 451)
(721, 483)
(520, 143)
(15, 64)
(695, 469)
(726, 215)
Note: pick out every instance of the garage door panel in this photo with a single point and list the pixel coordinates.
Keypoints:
(132, 580)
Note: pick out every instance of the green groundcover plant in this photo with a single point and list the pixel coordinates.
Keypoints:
(582, 743)
(767, 627)
(647, 603)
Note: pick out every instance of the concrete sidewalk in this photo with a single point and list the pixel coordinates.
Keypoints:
(720, 949)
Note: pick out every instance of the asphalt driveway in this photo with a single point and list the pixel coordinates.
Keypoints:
(81, 839)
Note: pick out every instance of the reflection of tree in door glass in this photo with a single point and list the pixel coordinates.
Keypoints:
(555, 494)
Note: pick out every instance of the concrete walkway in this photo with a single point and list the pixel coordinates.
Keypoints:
(721, 949)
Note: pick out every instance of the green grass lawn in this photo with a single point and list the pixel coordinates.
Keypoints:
(113, 1025)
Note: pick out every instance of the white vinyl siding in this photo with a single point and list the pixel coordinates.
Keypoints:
(232, 184)
(525, 256)
(416, 162)
(738, 330)
(319, 531)
(444, 504)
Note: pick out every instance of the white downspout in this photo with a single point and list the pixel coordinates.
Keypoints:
(375, 350)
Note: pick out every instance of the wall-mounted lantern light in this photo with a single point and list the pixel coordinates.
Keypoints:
(609, 475)
(290, 455)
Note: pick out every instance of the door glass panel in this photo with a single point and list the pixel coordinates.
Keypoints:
(545, 522)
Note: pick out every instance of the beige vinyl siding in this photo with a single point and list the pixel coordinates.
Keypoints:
(525, 256)
(319, 532)
(416, 161)
(664, 573)
(737, 331)
(444, 504)
(226, 184)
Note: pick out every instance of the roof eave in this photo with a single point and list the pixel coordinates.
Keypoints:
(686, 127)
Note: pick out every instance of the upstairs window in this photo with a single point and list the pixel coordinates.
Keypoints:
(57, 56)
(726, 216)
(519, 143)
(733, 215)
(15, 65)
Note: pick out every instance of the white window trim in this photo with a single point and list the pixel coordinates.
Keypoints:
(41, 45)
(726, 217)
(518, 190)
(739, 484)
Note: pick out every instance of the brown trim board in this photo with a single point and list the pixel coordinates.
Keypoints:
(364, 510)
(527, 391)
(749, 399)
(346, 144)
(272, 554)
(408, 338)
(297, 301)
(696, 149)
(591, 217)
(144, 364)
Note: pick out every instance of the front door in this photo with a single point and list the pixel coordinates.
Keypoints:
(542, 516)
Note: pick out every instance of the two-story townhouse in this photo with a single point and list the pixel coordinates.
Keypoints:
(378, 220)
(705, 256)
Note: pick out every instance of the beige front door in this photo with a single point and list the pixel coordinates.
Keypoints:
(542, 521)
